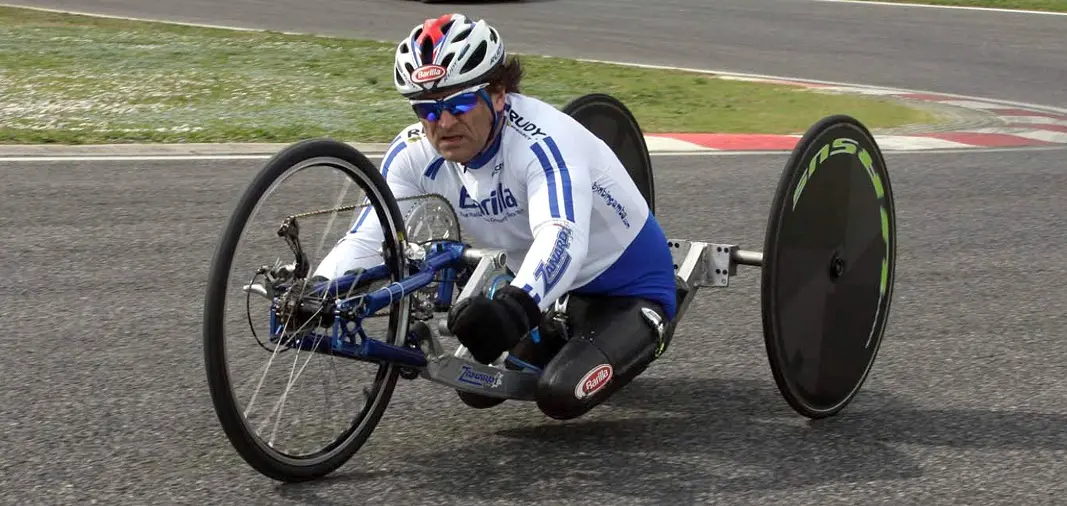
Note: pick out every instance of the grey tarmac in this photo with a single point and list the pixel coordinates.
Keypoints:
(106, 399)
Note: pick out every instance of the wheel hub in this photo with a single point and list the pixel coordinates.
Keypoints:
(837, 266)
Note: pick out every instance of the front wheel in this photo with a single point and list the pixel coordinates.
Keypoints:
(269, 341)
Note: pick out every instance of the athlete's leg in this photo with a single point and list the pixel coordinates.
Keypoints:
(611, 341)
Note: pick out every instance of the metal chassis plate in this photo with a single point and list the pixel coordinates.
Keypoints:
(488, 380)
(700, 264)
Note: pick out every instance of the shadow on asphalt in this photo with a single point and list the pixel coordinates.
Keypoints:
(484, 2)
(671, 440)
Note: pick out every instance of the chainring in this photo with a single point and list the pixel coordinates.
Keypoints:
(430, 217)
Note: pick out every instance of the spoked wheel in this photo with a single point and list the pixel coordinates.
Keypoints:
(609, 119)
(828, 266)
(269, 389)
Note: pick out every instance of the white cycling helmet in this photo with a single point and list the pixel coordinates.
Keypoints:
(447, 52)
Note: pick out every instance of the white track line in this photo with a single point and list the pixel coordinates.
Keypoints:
(1037, 121)
(957, 7)
(724, 73)
(888, 150)
(889, 143)
(1024, 105)
(152, 20)
(179, 158)
(668, 143)
(970, 104)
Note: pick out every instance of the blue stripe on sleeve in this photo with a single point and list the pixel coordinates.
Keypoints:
(568, 200)
(394, 151)
(392, 155)
(434, 168)
(550, 177)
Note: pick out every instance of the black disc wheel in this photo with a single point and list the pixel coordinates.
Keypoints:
(268, 393)
(609, 119)
(828, 266)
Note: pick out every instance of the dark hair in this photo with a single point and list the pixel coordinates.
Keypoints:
(507, 77)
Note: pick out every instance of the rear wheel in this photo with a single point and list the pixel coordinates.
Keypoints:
(263, 444)
(612, 122)
(828, 266)
(609, 119)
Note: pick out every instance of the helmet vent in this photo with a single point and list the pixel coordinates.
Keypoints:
(476, 58)
(462, 35)
(426, 49)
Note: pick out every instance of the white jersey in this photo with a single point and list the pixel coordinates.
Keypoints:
(549, 193)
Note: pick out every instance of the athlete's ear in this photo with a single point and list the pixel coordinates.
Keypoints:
(498, 97)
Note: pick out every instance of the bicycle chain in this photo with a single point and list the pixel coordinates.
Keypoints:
(354, 207)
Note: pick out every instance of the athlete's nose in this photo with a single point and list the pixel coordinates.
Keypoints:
(446, 120)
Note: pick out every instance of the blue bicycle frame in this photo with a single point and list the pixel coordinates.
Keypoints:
(446, 257)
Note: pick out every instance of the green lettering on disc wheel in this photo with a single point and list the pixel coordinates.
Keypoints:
(845, 145)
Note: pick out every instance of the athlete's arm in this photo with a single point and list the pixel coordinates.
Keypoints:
(560, 200)
(361, 245)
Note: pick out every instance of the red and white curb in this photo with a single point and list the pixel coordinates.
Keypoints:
(1017, 125)
(1007, 125)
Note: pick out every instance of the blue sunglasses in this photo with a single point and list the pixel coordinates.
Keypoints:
(456, 104)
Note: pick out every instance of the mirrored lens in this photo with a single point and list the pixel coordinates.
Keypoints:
(457, 105)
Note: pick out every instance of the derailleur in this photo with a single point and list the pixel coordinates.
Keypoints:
(278, 275)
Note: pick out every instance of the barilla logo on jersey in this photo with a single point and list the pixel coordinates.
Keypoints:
(500, 200)
(472, 376)
(593, 381)
(558, 260)
(427, 73)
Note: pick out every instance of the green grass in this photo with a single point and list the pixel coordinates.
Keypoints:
(1033, 5)
(83, 80)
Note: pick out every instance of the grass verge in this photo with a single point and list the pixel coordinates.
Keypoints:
(1029, 5)
(73, 79)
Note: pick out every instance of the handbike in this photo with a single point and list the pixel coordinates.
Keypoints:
(828, 266)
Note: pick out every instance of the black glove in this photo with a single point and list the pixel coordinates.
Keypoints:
(489, 327)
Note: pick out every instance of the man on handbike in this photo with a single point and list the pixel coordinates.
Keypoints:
(527, 178)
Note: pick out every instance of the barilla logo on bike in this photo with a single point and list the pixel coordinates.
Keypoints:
(427, 73)
(593, 381)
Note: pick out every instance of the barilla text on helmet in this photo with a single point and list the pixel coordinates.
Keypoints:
(429, 73)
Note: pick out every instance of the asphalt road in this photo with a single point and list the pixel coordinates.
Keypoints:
(1007, 56)
(105, 262)
(105, 397)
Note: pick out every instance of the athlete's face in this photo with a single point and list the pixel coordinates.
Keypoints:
(461, 131)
